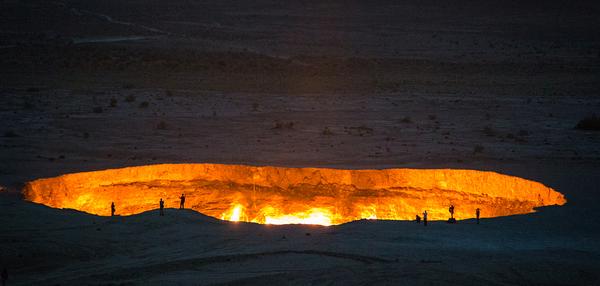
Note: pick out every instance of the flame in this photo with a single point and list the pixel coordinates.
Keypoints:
(274, 195)
(369, 212)
(233, 214)
(312, 216)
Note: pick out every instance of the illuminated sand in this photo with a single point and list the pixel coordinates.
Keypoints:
(277, 195)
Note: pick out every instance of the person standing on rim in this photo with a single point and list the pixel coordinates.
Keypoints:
(425, 218)
(451, 210)
(477, 212)
(182, 201)
(162, 207)
(112, 209)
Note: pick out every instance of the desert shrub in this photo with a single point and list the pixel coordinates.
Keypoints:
(144, 104)
(431, 117)
(255, 106)
(591, 122)
(128, 86)
(113, 102)
(406, 120)
(478, 149)
(284, 125)
(327, 131)
(488, 131)
(161, 125)
(97, 109)
(359, 130)
(523, 132)
(169, 93)
(28, 105)
(130, 98)
(10, 133)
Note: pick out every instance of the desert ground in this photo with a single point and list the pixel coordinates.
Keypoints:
(486, 85)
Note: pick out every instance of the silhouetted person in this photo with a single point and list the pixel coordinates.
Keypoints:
(451, 210)
(182, 201)
(425, 218)
(418, 219)
(4, 276)
(477, 212)
(112, 209)
(162, 207)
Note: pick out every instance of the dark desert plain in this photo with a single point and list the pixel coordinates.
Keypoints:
(495, 86)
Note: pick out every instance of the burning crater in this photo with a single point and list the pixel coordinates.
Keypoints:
(274, 195)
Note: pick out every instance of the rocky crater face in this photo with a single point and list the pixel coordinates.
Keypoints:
(277, 195)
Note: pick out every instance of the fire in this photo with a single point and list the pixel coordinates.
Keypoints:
(275, 195)
(271, 215)
(234, 214)
(369, 212)
(312, 216)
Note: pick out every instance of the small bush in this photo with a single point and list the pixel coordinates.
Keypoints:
(327, 131)
(144, 104)
(432, 117)
(161, 125)
(478, 149)
(130, 98)
(589, 123)
(128, 86)
(284, 125)
(359, 130)
(10, 133)
(28, 105)
(97, 109)
(406, 120)
(113, 102)
(488, 131)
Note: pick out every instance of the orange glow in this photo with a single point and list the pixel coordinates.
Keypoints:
(276, 195)
(234, 214)
(311, 216)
